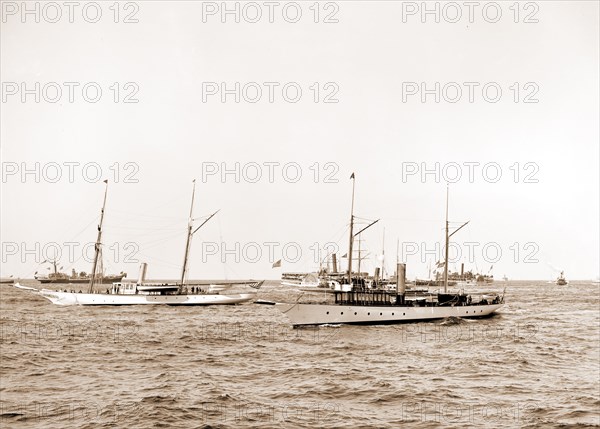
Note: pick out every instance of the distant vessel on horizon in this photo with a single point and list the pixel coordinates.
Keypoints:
(58, 277)
(462, 279)
(561, 280)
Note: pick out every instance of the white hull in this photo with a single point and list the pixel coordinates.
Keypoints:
(70, 298)
(300, 284)
(321, 314)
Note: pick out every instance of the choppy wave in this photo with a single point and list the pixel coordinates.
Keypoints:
(533, 365)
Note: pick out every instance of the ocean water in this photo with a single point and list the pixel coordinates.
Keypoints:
(535, 364)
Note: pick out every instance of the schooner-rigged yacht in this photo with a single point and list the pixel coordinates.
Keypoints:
(142, 292)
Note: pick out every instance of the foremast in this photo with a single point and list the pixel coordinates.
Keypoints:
(98, 241)
(352, 236)
(350, 244)
(188, 243)
(448, 235)
(447, 243)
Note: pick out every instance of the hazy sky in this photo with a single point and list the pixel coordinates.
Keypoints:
(361, 109)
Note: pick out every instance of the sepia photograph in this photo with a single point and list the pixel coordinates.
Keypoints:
(300, 214)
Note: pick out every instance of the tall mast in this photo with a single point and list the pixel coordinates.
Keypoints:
(351, 234)
(448, 235)
(383, 253)
(189, 239)
(98, 241)
(447, 243)
(359, 254)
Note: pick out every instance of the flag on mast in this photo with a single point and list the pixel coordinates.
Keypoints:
(277, 264)
(352, 177)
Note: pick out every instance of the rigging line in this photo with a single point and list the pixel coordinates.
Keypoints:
(177, 197)
(408, 219)
(342, 232)
(235, 273)
(169, 228)
(160, 261)
(205, 216)
(90, 211)
(157, 235)
(133, 225)
(131, 213)
(141, 228)
(153, 243)
(221, 239)
(146, 223)
(339, 233)
(71, 265)
(363, 219)
(84, 228)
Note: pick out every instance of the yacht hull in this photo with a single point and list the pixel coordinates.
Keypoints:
(81, 280)
(70, 298)
(321, 314)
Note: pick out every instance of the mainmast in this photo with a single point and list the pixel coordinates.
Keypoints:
(359, 255)
(189, 240)
(351, 234)
(383, 254)
(448, 235)
(447, 243)
(98, 241)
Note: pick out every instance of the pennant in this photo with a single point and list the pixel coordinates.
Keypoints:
(352, 177)
(277, 264)
(256, 285)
